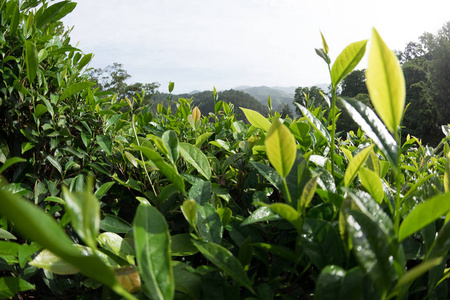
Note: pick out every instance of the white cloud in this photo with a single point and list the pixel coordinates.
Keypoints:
(228, 43)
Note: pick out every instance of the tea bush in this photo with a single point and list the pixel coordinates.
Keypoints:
(106, 197)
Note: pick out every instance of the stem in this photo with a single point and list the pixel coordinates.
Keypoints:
(333, 127)
(142, 157)
(397, 175)
(287, 192)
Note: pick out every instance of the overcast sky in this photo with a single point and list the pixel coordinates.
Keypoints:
(228, 43)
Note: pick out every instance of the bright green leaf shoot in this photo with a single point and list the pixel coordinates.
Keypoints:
(280, 148)
(386, 83)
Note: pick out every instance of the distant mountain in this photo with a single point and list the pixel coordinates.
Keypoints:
(278, 96)
(204, 101)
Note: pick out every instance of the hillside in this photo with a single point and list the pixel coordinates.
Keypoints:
(204, 101)
(278, 96)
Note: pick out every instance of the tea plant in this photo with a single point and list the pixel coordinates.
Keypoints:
(174, 204)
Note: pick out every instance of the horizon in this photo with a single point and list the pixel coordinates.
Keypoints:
(225, 44)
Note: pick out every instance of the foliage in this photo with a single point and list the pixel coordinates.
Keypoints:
(113, 79)
(117, 197)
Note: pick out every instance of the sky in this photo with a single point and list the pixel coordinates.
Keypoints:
(229, 43)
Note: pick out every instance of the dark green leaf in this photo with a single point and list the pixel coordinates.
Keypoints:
(54, 13)
(182, 245)
(103, 189)
(321, 243)
(168, 171)
(115, 224)
(195, 157)
(372, 249)
(75, 88)
(329, 283)
(114, 243)
(36, 225)
(225, 261)
(105, 143)
(209, 223)
(318, 126)
(152, 246)
(201, 192)
(170, 139)
(261, 214)
(373, 127)
(84, 211)
(31, 59)
(11, 161)
(187, 281)
(10, 286)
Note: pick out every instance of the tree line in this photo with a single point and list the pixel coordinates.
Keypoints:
(426, 67)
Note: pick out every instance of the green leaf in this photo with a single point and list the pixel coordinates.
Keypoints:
(85, 60)
(386, 83)
(324, 44)
(84, 211)
(40, 110)
(347, 61)
(288, 213)
(54, 13)
(329, 283)
(270, 175)
(261, 214)
(10, 286)
(15, 18)
(355, 164)
(168, 171)
(308, 192)
(115, 224)
(423, 214)
(11, 161)
(201, 192)
(170, 139)
(103, 189)
(203, 138)
(187, 281)
(279, 250)
(19, 87)
(280, 148)
(209, 223)
(256, 119)
(75, 88)
(373, 127)
(417, 271)
(53, 263)
(225, 261)
(189, 209)
(321, 243)
(182, 246)
(54, 162)
(114, 243)
(318, 126)
(372, 249)
(372, 183)
(152, 246)
(6, 235)
(40, 227)
(105, 143)
(31, 60)
(197, 158)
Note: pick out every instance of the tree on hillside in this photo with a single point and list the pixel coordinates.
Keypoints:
(113, 79)
(438, 47)
(354, 84)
